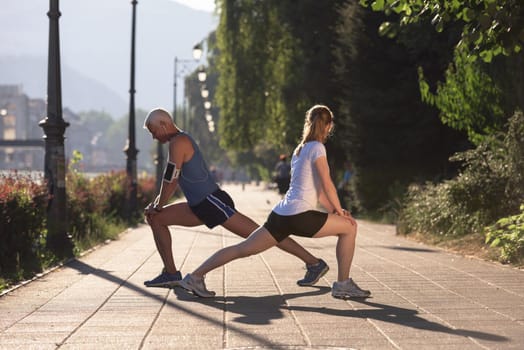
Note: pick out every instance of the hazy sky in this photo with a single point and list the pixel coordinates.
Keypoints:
(206, 5)
(95, 43)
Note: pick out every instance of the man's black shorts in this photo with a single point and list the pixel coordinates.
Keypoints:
(215, 209)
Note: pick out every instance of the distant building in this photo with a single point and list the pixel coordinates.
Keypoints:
(19, 120)
(17, 123)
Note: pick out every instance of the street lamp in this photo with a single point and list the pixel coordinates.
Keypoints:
(3, 114)
(130, 148)
(54, 126)
(202, 74)
(204, 92)
(197, 54)
(197, 51)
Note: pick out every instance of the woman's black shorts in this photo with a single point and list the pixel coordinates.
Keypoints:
(305, 224)
(215, 209)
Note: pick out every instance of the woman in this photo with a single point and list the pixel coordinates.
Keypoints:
(296, 212)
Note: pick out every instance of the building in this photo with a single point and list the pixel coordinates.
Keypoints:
(18, 122)
(20, 116)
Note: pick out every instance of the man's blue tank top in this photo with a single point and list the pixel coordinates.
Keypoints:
(195, 180)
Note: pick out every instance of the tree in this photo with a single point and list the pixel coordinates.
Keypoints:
(241, 40)
(391, 136)
(490, 27)
(475, 97)
(469, 100)
(275, 62)
(96, 120)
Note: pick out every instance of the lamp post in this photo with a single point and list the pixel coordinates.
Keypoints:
(197, 53)
(3, 114)
(159, 159)
(130, 148)
(54, 127)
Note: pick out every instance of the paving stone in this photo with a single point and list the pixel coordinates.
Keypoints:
(422, 297)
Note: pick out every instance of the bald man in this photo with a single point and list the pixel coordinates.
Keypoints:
(206, 204)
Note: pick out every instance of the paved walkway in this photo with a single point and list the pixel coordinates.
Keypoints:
(423, 298)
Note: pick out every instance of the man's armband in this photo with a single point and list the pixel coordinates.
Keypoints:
(171, 172)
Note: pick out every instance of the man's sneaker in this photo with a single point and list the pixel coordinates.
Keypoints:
(348, 289)
(165, 279)
(197, 286)
(314, 273)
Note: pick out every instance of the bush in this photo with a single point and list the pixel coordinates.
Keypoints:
(432, 209)
(508, 234)
(94, 204)
(489, 187)
(22, 228)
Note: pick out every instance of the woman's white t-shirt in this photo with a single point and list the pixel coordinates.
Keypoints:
(303, 191)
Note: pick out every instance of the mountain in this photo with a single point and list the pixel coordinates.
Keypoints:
(79, 92)
(95, 43)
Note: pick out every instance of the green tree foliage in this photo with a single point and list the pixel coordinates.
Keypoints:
(312, 78)
(469, 100)
(475, 97)
(491, 27)
(241, 91)
(275, 62)
(391, 136)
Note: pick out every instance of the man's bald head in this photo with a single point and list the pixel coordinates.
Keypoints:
(158, 117)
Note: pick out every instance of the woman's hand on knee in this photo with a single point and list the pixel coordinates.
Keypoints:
(348, 216)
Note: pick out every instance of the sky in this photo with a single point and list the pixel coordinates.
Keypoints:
(205, 5)
(95, 47)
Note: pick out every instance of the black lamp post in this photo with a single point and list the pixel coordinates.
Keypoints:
(130, 149)
(54, 127)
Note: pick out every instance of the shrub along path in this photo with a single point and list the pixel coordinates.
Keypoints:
(423, 297)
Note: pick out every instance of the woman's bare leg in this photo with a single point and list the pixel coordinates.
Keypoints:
(257, 242)
(243, 226)
(346, 230)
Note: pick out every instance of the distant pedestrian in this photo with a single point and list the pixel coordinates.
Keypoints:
(282, 174)
(206, 202)
(297, 213)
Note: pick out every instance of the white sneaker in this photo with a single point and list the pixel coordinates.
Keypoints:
(196, 285)
(348, 289)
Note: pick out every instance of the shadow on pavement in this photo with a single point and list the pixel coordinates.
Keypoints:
(261, 310)
(412, 249)
(251, 310)
(400, 316)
